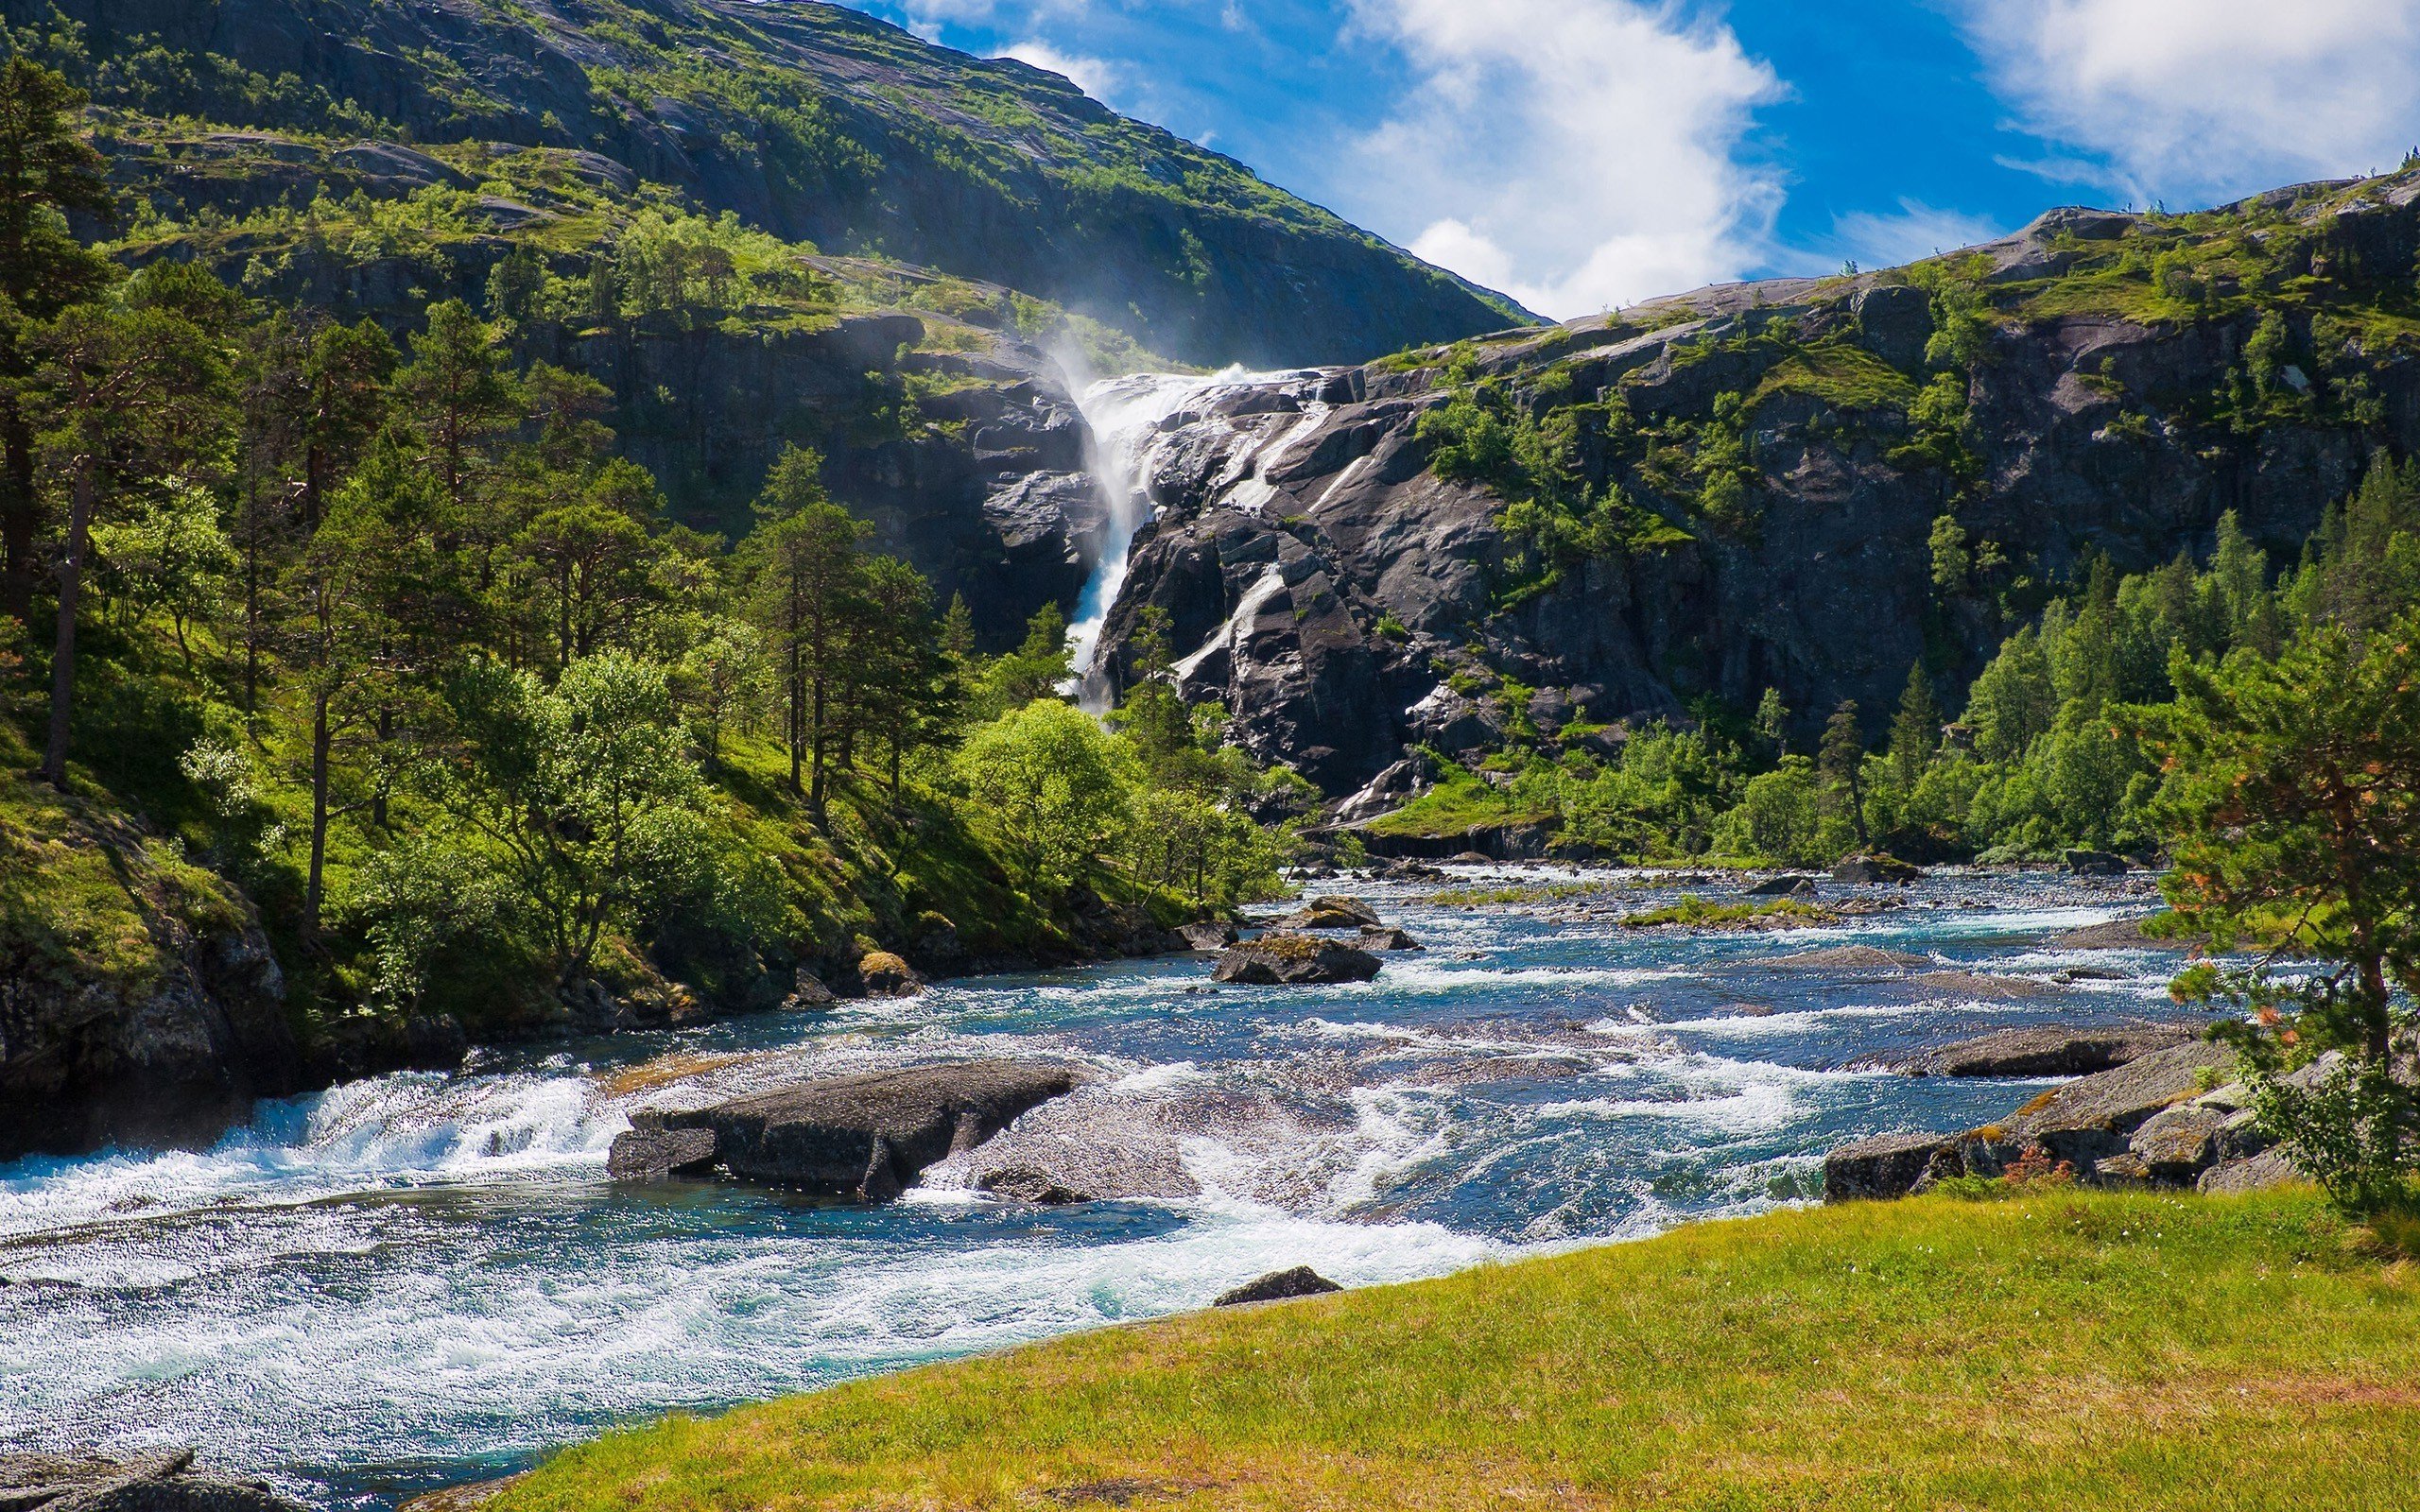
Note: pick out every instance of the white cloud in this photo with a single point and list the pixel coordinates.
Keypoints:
(1917, 232)
(1097, 76)
(2200, 99)
(1577, 154)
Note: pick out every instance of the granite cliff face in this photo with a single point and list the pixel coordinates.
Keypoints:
(1760, 471)
(811, 121)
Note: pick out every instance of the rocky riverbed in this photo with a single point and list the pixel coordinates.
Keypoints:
(425, 1279)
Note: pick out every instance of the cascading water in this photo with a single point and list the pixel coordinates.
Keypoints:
(1126, 418)
(427, 1278)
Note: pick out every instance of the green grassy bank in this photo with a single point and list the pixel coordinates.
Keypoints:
(2058, 1350)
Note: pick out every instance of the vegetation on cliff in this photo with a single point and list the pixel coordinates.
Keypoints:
(2057, 1349)
(390, 643)
(550, 123)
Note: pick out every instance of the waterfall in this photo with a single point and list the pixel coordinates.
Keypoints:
(1126, 418)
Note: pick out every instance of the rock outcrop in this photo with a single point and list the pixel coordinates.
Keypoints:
(863, 1138)
(1348, 603)
(1295, 960)
(139, 1001)
(1888, 1166)
(152, 1483)
(1281, 1286)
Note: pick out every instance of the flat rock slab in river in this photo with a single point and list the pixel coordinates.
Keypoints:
(1968, 986)
(2046, 1050)
(2118, 934)
(867, 1137)
(1849, 958)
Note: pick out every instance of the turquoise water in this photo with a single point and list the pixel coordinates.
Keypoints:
(420, 1279)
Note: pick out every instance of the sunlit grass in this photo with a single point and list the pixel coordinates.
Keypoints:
(2063, 1350)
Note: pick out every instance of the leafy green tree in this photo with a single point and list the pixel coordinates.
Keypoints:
(585, 793)
(1778, 817)
(2015, 701)
(169, 554)
(1056, 786)
(1038, 668)
(2294, 796)
(1772, 723)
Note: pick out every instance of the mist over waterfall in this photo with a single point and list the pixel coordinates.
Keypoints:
(1126, 416)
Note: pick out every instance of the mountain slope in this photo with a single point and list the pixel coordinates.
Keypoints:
(812, 122)
(1806, 486)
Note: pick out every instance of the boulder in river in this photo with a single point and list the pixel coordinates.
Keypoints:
(867, 1137)
(164, 1482)
(1792, 884)
(2096, 863)
(1972, 986)
(885, 976)
(2045, 1049)
(1281, 1286)
(1388, 939)
(1295, 960)
(1333, 913)
(1209, 936)
(1877, 869)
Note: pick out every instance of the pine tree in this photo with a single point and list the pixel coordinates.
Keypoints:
(1916, 734)
(1840, 764)
(808, 577)
(46, 167)
(1772, 723)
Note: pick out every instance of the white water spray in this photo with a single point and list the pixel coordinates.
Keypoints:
(1126, 416)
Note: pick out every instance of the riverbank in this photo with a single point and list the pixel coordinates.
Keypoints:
(427, 1278)
(2062, 1348)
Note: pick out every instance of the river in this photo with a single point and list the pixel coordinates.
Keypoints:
(427, 1278)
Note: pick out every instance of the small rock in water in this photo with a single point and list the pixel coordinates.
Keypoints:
(1884, 870)
(1333, 913)
(1281, 1286)
(1790, 885)
(1209, 936)
(1849, 957)
(1383, 938)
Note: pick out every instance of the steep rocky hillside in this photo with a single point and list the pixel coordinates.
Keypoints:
(1801, 486)
(809, 121)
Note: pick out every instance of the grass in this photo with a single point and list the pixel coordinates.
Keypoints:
(1696, 913)
(2066, 1349)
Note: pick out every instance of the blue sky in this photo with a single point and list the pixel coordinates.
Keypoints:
(1583, 154)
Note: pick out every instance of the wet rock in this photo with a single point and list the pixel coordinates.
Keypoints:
(2086, 1122)
(1281, 1286)
(1333, 913)
(1207, 937)
(885, 976)
(2265, 1171)
(1389, 791)
(1387, 939)
(647, 1155)
(1888, 1166)
(1295, 960)
(2045, 1049)
(808, 995)
(2118, 934)
(1971, 986)
(866, 1137)
(1877, 869)
(1850, 958)
(153, 1483)
(1792, 885)
(2096, 863)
